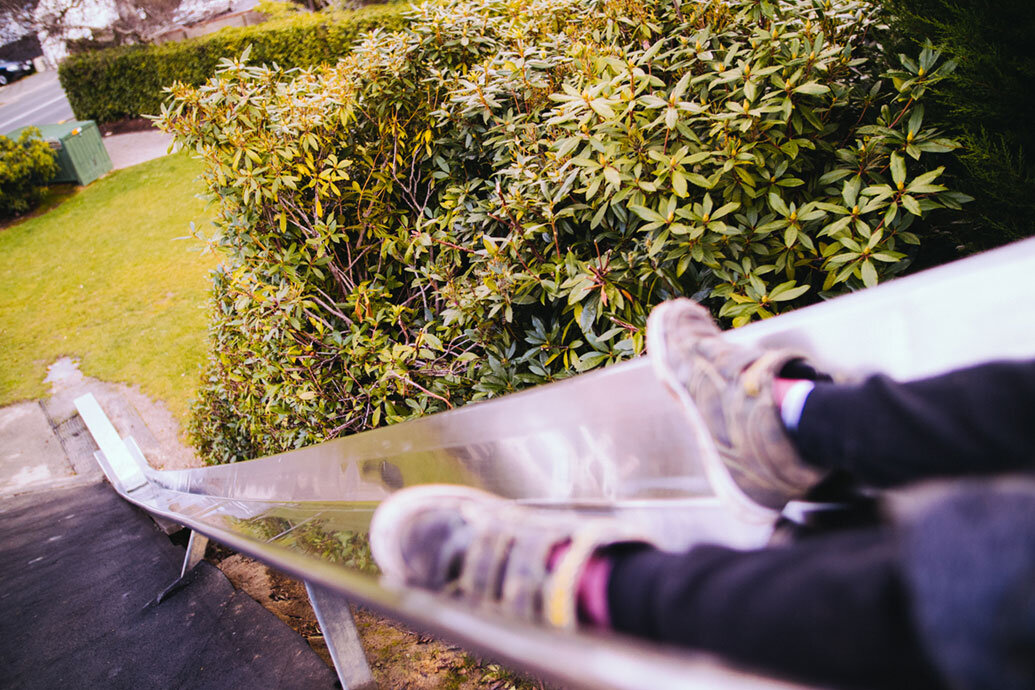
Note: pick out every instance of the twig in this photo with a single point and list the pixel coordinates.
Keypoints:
(420, 387)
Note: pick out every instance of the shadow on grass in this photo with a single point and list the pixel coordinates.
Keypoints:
(55, 195)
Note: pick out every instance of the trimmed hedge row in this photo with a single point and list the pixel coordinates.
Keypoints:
(128, 81)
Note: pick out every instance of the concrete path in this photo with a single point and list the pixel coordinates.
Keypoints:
(150, 423)
(32, 456)
(132, 148)
(44, 444)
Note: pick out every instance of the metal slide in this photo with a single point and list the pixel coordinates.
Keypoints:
(605, 442)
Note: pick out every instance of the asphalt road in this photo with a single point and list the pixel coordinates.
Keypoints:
(33, 100)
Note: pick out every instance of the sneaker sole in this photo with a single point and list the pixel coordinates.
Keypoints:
(715, 469)
(389, 518)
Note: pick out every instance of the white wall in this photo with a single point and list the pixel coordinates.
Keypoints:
(81, 18)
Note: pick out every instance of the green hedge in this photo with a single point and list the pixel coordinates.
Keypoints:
(988, 102)
(127, 81)
(496, 197)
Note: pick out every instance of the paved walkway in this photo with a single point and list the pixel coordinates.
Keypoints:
(32, 456)
(44, 444)
(136, 147)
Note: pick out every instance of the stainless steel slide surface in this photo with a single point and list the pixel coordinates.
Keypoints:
(606, 442)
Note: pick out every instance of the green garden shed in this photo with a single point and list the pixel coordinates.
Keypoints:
(81, 156)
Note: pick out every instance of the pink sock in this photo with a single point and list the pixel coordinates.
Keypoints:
(780, 388)
(591, 591)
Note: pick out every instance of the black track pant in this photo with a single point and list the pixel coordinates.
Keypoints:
(975, 421)
(949, 595)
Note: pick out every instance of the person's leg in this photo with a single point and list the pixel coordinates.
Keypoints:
(776, 439)
(831, 610)
(979, 420)
(950, 594)
(969, 569)
(947, 593)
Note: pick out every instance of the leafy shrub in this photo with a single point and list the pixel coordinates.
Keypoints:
(274, 9)
(128, 81)
(26, 165)
(496, 197)
(988, 103)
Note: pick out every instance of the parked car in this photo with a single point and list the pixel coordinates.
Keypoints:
(9, 70)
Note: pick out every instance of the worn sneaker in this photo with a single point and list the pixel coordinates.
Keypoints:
(729, 388)
(488, 551)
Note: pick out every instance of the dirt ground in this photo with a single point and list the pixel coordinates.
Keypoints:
(398, 657)
(134, 124)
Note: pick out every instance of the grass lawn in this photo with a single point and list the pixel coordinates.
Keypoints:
(103, 277)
